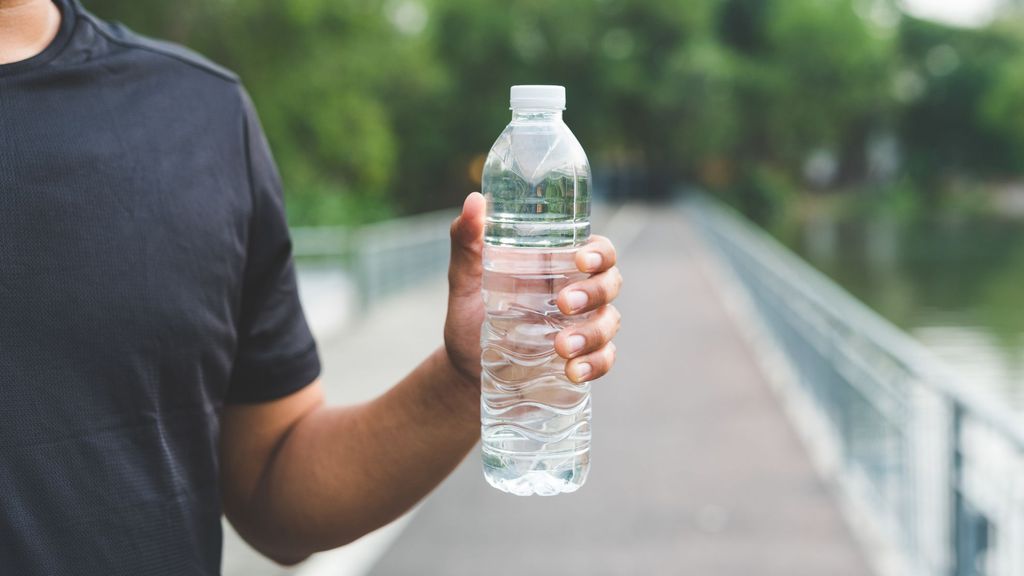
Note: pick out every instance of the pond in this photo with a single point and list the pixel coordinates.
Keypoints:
(955, 284)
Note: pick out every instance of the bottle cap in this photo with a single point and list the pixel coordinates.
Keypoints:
(538, 96)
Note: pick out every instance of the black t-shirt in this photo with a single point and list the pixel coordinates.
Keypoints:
(146, 280)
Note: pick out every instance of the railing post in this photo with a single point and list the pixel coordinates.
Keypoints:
(959, 563)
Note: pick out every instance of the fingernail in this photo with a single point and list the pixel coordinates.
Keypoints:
(576, 343)
(592, 261)
(576, 299)
(581, 371)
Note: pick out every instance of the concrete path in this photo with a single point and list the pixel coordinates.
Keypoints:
(695, 469)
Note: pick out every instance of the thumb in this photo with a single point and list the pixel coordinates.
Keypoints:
(466, 266)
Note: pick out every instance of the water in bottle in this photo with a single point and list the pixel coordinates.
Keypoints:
(535, 425)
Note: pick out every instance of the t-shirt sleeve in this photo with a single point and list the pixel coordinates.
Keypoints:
(276, 353)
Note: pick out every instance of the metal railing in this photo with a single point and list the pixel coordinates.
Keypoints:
(936, 467)
(383, 258)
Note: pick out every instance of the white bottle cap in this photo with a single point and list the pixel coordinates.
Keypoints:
(538, 96)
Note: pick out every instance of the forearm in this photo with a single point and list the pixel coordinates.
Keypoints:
(342, 472)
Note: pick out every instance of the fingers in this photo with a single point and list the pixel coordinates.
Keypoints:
(596, 256)
(589, 336)
(591, 366)
(589, 346)
(592, 293)
(467, 233)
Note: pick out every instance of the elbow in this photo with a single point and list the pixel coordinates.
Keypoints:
(289, 551)
(284, 547)
(280, 552)
(277, 538)
(273, 546)
(285, 558)
(291, 555)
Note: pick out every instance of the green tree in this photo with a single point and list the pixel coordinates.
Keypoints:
(963, 120)
(335, 82)
(380, 107)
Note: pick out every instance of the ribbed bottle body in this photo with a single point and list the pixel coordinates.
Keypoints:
(535, 422)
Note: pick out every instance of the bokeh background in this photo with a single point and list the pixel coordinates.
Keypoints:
(882, 141)
(379, 108)
(799, 112)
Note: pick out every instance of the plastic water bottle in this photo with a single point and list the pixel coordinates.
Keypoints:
(535, 425)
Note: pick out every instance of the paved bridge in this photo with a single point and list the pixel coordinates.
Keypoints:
(695, 470)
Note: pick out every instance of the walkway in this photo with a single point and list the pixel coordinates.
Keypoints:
(695, 469)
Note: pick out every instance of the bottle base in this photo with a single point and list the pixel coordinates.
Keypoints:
(529, 479)
(533, 484)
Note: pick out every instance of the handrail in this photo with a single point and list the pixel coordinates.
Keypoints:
(383, 257)
(847, 309)
(937, 467)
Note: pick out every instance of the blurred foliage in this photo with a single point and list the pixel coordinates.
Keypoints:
(380, 107)
(959, 118)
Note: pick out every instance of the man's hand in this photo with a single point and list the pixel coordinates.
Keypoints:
(588, 346)
(298, 476)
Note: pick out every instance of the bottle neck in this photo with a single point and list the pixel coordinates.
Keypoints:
(536, 115)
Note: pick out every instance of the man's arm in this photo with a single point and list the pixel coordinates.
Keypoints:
(298, 476)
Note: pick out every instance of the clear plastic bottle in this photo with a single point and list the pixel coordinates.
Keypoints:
(535, 422)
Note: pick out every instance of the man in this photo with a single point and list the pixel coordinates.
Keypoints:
(155, 364)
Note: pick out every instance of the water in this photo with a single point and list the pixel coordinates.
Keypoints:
(552, 212)
(537, 183)
(535, 423)
(952, 283)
